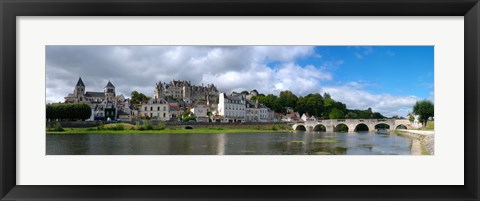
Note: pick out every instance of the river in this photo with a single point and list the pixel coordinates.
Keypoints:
(274, 143)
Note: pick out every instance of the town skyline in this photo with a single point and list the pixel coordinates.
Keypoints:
(268, 69)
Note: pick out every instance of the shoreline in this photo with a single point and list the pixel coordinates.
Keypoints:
(423, 141)
(164, 131)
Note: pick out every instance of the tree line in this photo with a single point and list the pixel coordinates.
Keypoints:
(314, 104)
(68, 111)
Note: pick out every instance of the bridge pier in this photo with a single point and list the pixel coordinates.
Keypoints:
(329, 128)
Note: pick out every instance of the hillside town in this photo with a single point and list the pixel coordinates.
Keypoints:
(176, 100)
(179, 100)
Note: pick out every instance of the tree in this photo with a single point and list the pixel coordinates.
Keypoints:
(138, 97)
(411, 117)
(424, 109)
(287, 99)
(352, 115)
(71, 111)
(336, 114)
(311, 104)
(326, 95)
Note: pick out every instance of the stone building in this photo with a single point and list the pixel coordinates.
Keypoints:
(184, 90)
(156, 109)
(103, 104)
(231, 108)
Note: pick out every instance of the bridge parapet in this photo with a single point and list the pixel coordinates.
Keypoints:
(331, 124)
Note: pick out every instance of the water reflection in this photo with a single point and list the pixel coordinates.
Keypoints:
(297, 143)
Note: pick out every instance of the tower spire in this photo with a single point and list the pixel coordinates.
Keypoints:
(80, 82)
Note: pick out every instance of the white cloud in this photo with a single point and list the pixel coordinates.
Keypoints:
(357, 98)
(140, 67)
(288, 76)
(362, 51)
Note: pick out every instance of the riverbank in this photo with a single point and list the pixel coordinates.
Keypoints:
(164, 131)
(423, 143)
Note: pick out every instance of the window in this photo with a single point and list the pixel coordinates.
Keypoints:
(164, 115)
(164, 108)
(145, 109)
(151, 108)
(158, 108)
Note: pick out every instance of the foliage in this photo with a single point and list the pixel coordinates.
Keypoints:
(148, 125)
(313, 104)
(57, 127)
(70, 111)
(188, 115)
(424, 109)
(336, 114)
(411, 117)
(351, 115)
(287, 99)
(398, 117)
(138, 97)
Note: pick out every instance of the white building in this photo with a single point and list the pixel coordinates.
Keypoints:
(156, 109)
(255, 112)
(201, 112)
(306, 117)
(231, 108)
(291, 117)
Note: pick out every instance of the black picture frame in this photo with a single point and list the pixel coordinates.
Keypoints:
(10, 9)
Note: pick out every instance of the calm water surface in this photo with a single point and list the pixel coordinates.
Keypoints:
(300, 143)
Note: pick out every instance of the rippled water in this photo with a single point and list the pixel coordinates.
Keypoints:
(275, 143)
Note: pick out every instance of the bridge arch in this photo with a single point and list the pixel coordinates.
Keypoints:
(401, 126)
(300, 127)
(361, 127)
(383, 125)
(341, 127)
(320, 128)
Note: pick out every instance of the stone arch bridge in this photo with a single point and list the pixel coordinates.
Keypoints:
(352, 124)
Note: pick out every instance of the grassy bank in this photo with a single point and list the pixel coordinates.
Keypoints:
(131, 129)
(429, 127)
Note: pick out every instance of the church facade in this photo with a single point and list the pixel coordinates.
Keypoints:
(103, 104)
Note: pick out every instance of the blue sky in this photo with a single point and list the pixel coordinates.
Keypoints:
(389, 79)
(399, 70)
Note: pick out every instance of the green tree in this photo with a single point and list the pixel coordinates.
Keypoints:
(411, 117)
(336, 114)
(326, 95)
(311, 104)
(424, 109)
(138, 97)
(287, 99)
(352, 115)
(70, 111)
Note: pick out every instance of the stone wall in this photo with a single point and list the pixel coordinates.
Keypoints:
(426, 138)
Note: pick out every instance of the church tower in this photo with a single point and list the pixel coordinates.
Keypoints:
(79, 91)
(109, 91)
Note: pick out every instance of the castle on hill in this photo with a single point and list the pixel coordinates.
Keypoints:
(184, 90)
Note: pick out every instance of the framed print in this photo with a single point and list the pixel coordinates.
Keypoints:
(228, 100)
